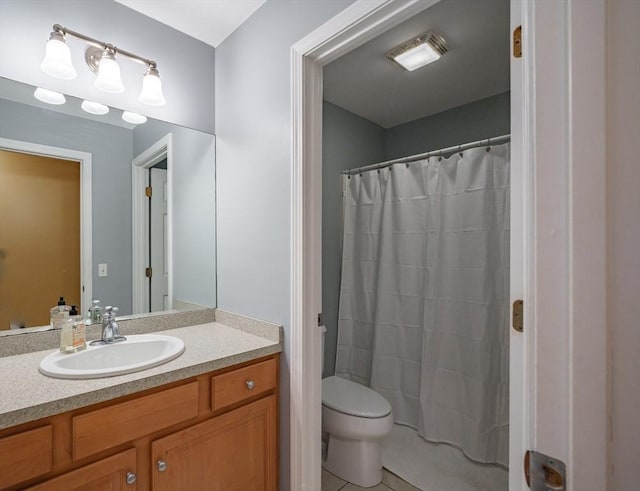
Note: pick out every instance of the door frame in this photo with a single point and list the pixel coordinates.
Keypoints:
(86, 235)
(140, 219)
(561, 389)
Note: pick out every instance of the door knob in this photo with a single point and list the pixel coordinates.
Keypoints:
(250, 384)
(162, 465)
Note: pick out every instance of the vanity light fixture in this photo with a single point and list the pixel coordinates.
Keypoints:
(49, 96)
(94, 107)
(134, 118)
(419, 51)
(57, 57)
(108, 79)
(101, 59)
(151, 93)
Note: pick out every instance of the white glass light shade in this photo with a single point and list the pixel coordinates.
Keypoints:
(417, 57)
(134, 118)
(57, 59)
(108, 79)
(49, 96)
(151, 93)
(94, 107)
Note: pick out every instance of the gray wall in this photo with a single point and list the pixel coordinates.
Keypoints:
(111, 149)
(348, 141)
(186, 65)
(623, 240)
(480, 119)
(194, 208)
(253, 131)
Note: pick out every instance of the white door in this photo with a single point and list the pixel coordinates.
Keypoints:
(560, 359)
(159, 281)
(517, 379)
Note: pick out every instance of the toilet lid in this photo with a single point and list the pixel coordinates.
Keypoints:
(349, 397)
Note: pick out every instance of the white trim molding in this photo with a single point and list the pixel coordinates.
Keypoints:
(140, 219)
(358, 23)
(568, 343)
(86, 234)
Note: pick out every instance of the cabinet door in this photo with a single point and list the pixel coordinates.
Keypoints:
(110, 474)
(236, 451)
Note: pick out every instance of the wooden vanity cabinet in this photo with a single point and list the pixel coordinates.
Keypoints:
(234, 451)
(115, 473)
(215, 431)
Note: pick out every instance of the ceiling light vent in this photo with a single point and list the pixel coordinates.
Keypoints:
(419, 51)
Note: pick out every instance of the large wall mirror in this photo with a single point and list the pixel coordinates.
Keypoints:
(92, 206)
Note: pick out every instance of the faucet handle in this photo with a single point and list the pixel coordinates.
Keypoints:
(107, 316)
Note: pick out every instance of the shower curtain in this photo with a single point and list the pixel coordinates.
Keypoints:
(423, 316)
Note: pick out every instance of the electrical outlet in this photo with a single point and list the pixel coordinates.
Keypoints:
(102, 270)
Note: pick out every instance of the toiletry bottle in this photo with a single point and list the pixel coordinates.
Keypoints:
(66, 335)
(59, 314)
(72, 335)
(79, 332)
(94, 316)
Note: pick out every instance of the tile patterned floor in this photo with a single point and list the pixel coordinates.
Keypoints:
(390, 482)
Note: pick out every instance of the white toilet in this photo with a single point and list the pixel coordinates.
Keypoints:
(355, 420)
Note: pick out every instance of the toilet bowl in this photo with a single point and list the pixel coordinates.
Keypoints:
(355, 419)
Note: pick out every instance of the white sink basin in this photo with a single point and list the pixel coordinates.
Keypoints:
(138, 352)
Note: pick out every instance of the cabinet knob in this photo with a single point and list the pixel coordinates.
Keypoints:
(162, 465)
(250, 384)
(131, 478)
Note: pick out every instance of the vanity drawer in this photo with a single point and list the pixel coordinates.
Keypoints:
(232, 387)
(26, 455)
(110, 426)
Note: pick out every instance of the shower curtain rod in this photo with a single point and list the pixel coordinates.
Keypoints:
(496, 140)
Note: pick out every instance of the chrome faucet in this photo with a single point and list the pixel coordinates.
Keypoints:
(110, 329)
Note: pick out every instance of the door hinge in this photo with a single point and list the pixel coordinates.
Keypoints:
(148, 191)
(517, 315)
(544, 473)
(320, 319)
(517, 42)
(148, 272)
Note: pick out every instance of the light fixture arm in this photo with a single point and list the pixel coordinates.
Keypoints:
(102, 45)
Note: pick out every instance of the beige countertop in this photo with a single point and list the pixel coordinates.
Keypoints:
(27, 395)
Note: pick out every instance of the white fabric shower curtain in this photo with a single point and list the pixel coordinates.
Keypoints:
(423, 315)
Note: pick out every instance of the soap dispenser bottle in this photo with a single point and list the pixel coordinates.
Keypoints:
(59, 314)
(72, 335)
(79, 337)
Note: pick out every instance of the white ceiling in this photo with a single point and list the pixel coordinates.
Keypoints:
(476, 66)
(210, 21)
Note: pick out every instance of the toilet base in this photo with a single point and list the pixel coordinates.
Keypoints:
(358, 462)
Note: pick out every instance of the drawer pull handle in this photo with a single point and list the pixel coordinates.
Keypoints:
(131, 478)
(250, 384)
(162, 465)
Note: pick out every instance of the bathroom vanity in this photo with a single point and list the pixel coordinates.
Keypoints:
(206, 420)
